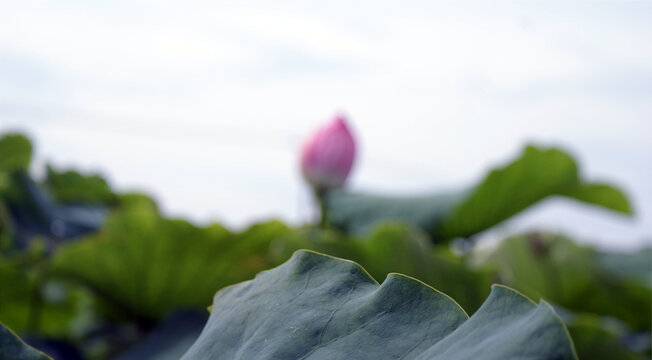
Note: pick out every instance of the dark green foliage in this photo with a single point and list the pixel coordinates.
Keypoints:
(320, 307)
(142, 266)
(359, 213)
(31, 302)
(72, 187)
(537, 174)
(15, 153)
(596, 340)
(603, 195)
(634, 267)
(31, 213)
(575, 277)
(529, 263)
(146, 265)
(15, 156)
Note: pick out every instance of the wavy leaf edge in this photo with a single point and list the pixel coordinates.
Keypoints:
(455, 334)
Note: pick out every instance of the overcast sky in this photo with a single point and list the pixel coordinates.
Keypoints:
(204, 104)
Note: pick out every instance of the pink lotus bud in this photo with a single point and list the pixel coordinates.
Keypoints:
(327, 156)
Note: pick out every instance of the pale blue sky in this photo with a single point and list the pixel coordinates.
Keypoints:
(205, 103)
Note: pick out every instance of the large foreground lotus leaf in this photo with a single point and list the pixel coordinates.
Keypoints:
(13, 348)
(319, 307)
(538, 173)
(395, 247)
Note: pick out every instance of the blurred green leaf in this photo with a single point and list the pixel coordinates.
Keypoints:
(15, 152)
(13, 348)
(31, 303)
(594, 340)
(358, 213)
(319, 307)
(573, 276)
(145, 265)
(538, 173)
(72, 187)
(603, 195)
(634, 266)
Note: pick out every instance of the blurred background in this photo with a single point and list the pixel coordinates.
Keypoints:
(186, 100)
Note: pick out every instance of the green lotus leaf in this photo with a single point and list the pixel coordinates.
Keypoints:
(395, 247)
(579, 278)
(319, 307)
(28, 304)
(596, 339)
(73, 187)
(145, 265)
(635, 266)
(13, 348)
(537, 174)
(15, 152)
